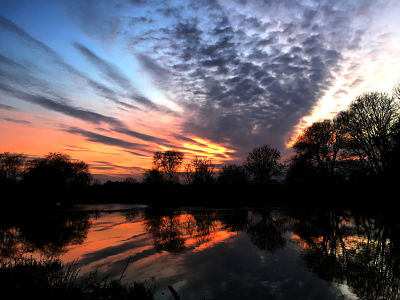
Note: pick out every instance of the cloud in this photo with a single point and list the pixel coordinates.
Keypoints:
(7, 107)
(244, 72)
(137, 153)
(105, 165)
(9, 62)
(78, 113)
(155, 70)
(103, 139)
(110, 71)
(53, 57)
(24, 122)
(114, 75)
(143, 137)
(248, 65)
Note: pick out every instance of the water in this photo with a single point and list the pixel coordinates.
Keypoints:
(222, 254)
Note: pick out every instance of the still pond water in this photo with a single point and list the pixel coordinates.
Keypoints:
(225, 253)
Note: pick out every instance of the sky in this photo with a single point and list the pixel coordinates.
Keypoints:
(110, 82)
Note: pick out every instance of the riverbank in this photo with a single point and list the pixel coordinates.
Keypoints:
(350, 195)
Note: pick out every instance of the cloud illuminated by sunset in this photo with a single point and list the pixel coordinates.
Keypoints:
(110, 82)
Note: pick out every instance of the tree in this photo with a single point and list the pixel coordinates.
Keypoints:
(57, 169)
(11, 166)
(320, 145)
(153, 176)
(262, 163)
(301, 171)
(396, 91)
(370, 123)
(233, 175)
(168, 162)
(200, 170)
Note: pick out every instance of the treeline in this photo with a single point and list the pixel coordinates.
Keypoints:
(261, 167)
(359, 144)
(55, 169)
(358, 147)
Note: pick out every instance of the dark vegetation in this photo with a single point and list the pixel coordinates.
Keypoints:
(28, 278)
(351, 159)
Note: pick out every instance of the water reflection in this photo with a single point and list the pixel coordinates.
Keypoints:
(360, 250)
(232, 254)
(46, 234)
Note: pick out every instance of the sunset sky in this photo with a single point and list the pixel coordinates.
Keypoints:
(110, 82)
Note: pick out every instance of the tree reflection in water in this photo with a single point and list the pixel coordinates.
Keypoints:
(360, 250)
(46, 233)
(171, 229)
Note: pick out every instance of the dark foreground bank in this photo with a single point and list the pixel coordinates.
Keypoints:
(28, 278)
(350, 195)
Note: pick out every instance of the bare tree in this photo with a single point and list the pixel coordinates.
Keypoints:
(200, 170)
(11, 166)
(168, 162)
(262, 163)
(371, 122)
(396, 91)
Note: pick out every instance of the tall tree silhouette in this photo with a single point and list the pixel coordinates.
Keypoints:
(370, 123)
(168, 162)
(200, 170)
(262, 163)
(320, 145)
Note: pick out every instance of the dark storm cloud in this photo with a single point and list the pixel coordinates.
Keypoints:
(103, 139)
(63, 108)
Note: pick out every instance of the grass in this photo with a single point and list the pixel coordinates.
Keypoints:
(28, 278)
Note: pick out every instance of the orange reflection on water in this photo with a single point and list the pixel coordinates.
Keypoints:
(218, 237)
(107, 231)
(202, 236)
(113, 238)
(339, 245)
